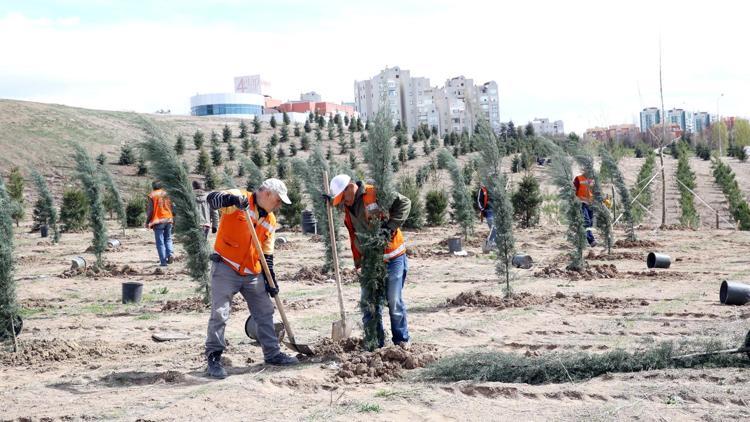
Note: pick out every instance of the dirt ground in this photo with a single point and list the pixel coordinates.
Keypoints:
(89, 357)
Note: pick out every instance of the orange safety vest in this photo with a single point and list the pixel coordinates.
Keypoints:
(485, 197)
(233, 240)
(394, 248)
(161, 206)
(584, 188)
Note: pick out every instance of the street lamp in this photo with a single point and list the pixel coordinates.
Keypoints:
(718, 116)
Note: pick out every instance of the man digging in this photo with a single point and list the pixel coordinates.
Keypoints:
(236, 268)
(583, 186)
(360, 205)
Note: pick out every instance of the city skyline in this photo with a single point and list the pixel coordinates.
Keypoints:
(586, 64)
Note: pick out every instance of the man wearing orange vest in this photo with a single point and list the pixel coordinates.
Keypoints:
(237, 268)
(359, 201)
(159, 217)
(485, 209)
(583, 187)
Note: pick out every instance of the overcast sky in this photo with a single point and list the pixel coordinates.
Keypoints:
(588, 63)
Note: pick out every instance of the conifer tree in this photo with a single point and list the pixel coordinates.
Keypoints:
(296, 130)
(15, 193)
(179, 146)
(127, 156)
(214, 138)
(203, 162)
(44, 210)
(198, 139)
(114, 194)
(256, 125)
(308, 128)
(226, 133)
(526, 201)
(463, 211)
(216, 157)
(305, 142)
(243, 130)
(609, 163)
(284, 133)
(245, 146)
(166, 168)
(9, 311)
(272, 123)
(231, 151)
(254, 175)
(285, 119)
(87, 174)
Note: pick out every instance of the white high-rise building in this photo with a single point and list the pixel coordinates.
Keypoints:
(452, 108)
(649, 117)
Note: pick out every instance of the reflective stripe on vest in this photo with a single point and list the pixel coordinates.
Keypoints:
(584, 188)
(394, 248)
(161, 207)
(233, 240)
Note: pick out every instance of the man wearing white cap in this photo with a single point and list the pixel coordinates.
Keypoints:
(359, 201)
(237, 268)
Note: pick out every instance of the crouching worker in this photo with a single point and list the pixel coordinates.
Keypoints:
(360, 206)
(236, 268)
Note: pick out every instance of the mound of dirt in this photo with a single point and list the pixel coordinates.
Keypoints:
(315, 275)
(477, 299)
(42, 351)
(589, 273)
(383, 364)
(195, 304)
(329, 349)
(300, 304)
(615, 256)
(124, 379)
(624, 243)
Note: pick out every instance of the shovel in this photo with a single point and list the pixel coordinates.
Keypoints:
(292, 343)
(342, 328)
(744, 349)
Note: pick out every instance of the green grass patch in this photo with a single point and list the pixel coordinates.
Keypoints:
(560, 368)
(27, 313)
(369, 408)
(147, 316)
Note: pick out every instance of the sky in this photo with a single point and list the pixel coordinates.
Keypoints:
(588, 63)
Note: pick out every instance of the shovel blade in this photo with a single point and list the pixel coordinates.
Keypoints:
(300, 348)
(341, 330)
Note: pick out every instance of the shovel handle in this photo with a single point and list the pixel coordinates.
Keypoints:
(334, 251)
(269, 279)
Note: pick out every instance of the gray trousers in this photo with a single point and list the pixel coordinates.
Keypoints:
(225, 283)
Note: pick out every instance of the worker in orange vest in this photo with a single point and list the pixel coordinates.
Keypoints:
(583, 186)
(485, 209)
(236, 268)
(359, 201)
(160, 219)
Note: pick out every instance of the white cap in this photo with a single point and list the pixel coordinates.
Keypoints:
(338, 184)
(278, 186)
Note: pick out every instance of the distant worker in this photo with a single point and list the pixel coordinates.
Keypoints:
(583, 187)
(359, 201)
(485, 210)
(160, 218)
(236, 267)
(208, 217)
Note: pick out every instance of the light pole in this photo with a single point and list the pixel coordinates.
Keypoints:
(718, 117)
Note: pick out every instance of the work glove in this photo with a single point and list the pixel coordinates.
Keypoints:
(327, 197)
(240, 201)
(271, 291)
(213, 229)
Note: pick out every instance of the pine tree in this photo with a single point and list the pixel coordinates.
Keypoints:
(214, 138)
(285, 119)
(9, 318)
(363, 138)
(305, 142)
(256, 125)
(257, 157)
(245, 146)
(226, 133)
(318, 135)
(280, 152)
(329, 153)
(291, 214)
(166, 168)
(101, 159)
(292, 149)
(73, 211)
(463, 211)
(216, 157)
(274, 140)
(492, 176)
(135, 212)
(343, 145)
(203, 162)
(373, 277)
(44, 209)
(526, 201)
(296, 130)
(402, 154)
(641, 190)
(15, 194)
(282, 168)
(87, 174)
(231, 151)
(436, 203)
(243, 130)
(198, 139)
(352, 141)
(608, 162)
(273, 122)
(308, 128)
(179, 146)
(331, 133)
(254, 175)
(142, 169)
(241, 169)
(407, 186)
(284, 133)
(269, 153)
(411, 152)
(352, 161)
(112, 195)
(127, 156)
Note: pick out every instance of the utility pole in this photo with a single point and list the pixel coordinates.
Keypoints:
(661, 147)
(718, 117)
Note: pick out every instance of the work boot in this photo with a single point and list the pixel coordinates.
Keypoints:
(215, 368)
(170, 260)
(282, 359)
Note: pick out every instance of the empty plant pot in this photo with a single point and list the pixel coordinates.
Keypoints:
(78, 263)
(113, 244)
(523, 261)
(734, 293)
(44, 230)
(309, 222)
(455, 244)
(658, 260)
(132, 292)
(251, 329)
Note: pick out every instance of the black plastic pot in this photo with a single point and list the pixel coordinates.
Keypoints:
(734, 293)
(455, 244)
(251, 329)
(658, 260)
(132, 292)
(17, 324)
(44, 230)
(309, 222)
(523, 261)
